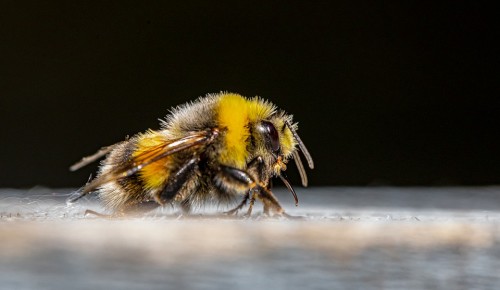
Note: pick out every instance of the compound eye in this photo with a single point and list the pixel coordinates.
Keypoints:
(271, 135)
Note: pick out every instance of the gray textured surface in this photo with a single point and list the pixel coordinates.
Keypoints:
(347, 238)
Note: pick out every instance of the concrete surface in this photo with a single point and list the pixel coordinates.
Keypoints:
(344, 238)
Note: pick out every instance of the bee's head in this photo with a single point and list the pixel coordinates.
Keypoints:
(278, 140)
(271, 141)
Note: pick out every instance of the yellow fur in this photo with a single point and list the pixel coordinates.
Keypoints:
(184, 162)
(234, 114)
(155, 174)
(288, 142)
(259, 109)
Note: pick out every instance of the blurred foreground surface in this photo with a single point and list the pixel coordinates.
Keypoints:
(346, 238)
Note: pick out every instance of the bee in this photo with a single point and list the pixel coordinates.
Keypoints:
(214, 149)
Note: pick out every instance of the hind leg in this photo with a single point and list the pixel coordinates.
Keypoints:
(179, 186)
(140, 207)
(131, 209)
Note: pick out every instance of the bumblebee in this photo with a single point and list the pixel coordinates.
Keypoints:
(215, 149)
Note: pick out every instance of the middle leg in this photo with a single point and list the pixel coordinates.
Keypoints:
(230, 178)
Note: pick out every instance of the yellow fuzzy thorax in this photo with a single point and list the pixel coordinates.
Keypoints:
(234, 113)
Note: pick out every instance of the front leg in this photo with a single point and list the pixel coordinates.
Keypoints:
(256, 166)
(233, 179)
(240, 206)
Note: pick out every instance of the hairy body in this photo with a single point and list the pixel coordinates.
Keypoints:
(214, 149)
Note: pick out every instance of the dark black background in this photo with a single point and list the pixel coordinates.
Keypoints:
(396, 94)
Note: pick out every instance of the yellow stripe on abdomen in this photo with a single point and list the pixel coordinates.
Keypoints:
(156, 174)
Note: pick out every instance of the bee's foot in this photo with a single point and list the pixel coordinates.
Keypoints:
(291, 217)
(97, 214)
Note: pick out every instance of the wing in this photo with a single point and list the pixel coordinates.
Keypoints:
(148, 156)
(89, 159)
